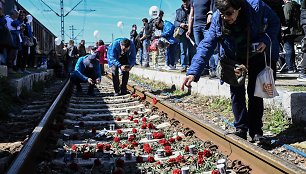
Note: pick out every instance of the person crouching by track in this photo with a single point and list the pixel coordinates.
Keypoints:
(87, 69)
(121, 54)
(230, 26)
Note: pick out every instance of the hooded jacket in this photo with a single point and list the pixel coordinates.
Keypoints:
(168, 31)
(86, 62)
(261, 20)
(114, 51)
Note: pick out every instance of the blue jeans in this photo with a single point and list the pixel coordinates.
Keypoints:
(140, 55)
(170, 55)
(187, 50)
(145, 51)
(290, 53)
(213, 61)
(198, 32)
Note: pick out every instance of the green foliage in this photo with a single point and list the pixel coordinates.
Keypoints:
(222, 104)
(6, 99)
(275, 121)
(297, 88)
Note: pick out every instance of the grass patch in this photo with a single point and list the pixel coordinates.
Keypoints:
(153, 84)
(275, 121)
(297, 88)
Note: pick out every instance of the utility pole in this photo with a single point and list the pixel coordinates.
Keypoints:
(72, 29)
(63, 15)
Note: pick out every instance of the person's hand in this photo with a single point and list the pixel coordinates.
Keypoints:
(188, 33)
(261, 47)
(209, 16)
(90, 81)
(125, 68)
(98, 80)
(187, 82)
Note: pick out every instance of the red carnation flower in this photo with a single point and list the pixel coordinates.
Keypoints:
(151, 126)
(172, 140)
(200, 160)
(186, 148)
(118, 119)
(134, 143)
(120, 163)
(134, 130)
(180, 159)
(172, 160)
(158, 163)
(154, 101)
(131, 118)
(151, 159)
(139, 159)
(144, 126)
(97, 162)
(124, 146)
(215, 172)
(136, 121)
(107, 146)
(119, 131)
(176, 171)
(207, 153)
(74, 147)
(134, 95)
(143, 98)
(81, 124)
(158, 135)
(178, 138)
(144, 119)
(100, 146)
(116, 139)
(131, 138)
(93, 130)
(135, 113)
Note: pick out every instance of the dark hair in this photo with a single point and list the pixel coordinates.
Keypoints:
(101, 42)
(223, 5)
(158, 22)
(134, 25)
(125, 42)
(145, 20)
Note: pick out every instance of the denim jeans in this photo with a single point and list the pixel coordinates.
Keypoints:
(198, 32)
(290, 52)
(145, 51)
(187, 50)
(170, 55)
(213, 62)
(140, 56)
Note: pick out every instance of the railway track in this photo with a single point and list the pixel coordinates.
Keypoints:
(135, 133)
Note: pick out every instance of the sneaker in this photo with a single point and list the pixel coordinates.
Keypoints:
(241, 133)
(301, 78)
(146, 65)
(116, 94)
(170, 67)
(212, 74)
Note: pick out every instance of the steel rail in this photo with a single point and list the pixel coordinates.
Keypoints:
(27, 155)
(258, 159)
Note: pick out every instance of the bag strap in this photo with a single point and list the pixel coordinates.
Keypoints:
(269, 50)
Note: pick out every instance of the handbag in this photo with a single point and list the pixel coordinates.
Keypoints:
(27, 41)
(265, 85)
(231, 72)
(178, 31)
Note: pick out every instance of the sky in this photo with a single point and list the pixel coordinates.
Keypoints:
(104, 19)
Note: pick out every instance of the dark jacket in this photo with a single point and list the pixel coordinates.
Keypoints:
(181, 16)
(259, 16)
(292, 18)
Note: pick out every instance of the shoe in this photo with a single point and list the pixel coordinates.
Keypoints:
(212, 74)
(260, 140)
(146, 65)
(183, 69)
(241, 133)
(124, 92)
(301, 78)
(116, 94)
(170, 67)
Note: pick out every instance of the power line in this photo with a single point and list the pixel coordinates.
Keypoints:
(62, 15)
